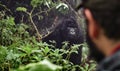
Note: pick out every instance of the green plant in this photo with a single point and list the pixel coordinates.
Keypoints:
(22, 49)
(21, 52)
(44, 65)
(87, 64)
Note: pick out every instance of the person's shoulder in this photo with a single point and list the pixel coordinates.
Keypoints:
(111, 63)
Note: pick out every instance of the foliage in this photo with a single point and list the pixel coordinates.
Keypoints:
(87, 64)
(21, 52)
(20, 49)
(44, 65)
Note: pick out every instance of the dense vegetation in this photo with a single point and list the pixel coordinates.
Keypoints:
(19, 51)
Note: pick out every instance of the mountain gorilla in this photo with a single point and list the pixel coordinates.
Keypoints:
(67, 30)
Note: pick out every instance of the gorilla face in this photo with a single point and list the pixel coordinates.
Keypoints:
(70, 29)
(72, 32)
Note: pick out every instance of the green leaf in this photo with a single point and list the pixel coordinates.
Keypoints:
(36, 3)
(46, 50)
(23, 9)
(44, 65)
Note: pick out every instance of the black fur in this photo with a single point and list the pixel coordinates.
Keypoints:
(67, 30)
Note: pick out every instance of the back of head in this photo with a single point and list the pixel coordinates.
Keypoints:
(107, 15)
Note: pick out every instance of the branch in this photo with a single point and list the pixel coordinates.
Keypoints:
(30, 16)
(43, 11)
(6, 8)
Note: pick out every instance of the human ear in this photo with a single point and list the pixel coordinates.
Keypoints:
(93, 28)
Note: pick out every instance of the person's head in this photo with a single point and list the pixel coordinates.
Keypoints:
(103, 26)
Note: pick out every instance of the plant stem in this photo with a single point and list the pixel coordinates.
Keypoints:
(38, 34)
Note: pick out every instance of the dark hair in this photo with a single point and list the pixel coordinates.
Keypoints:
(107, 14)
